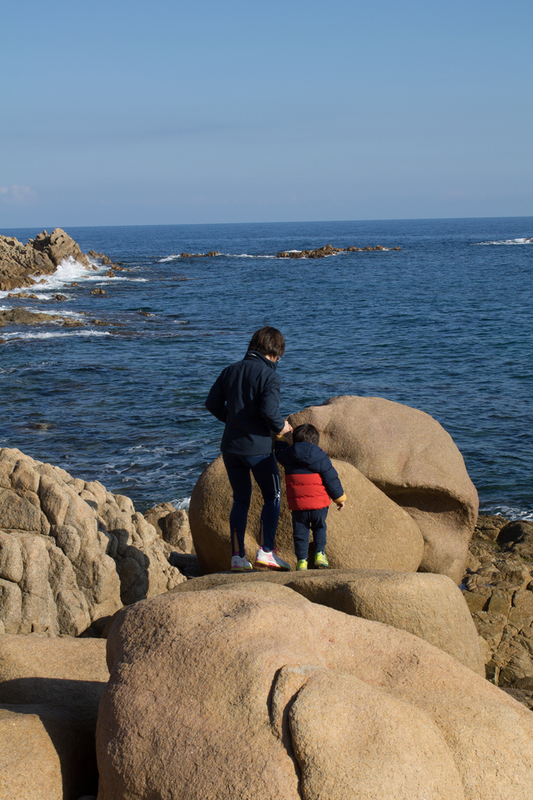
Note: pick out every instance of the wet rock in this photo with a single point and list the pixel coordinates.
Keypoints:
(60, 297)
(99, 292)
(19, 316)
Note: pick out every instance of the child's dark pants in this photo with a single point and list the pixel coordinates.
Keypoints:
(301, 522)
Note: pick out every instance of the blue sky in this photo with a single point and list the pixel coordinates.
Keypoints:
(119, 113)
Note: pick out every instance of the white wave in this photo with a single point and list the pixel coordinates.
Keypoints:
(54, 334)
(167, 258)
(69, 271)
(509, 242)
(182, 503)
(510, 512)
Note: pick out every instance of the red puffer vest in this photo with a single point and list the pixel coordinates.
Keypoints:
(306, 492)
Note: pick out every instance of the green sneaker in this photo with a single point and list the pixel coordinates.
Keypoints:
(302, 564)
(320, 560)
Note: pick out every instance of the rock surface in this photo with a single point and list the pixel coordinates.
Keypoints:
(370, 532)
(49, 695)
(498, 588)
(429, 606)
(19, 263)
(268, 695)
(172, 524)
(71, 553)
(411, 458)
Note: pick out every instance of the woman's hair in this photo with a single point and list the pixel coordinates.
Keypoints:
(268, 341)
(306, 433)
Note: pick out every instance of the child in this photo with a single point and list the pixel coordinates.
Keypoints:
(311, 481)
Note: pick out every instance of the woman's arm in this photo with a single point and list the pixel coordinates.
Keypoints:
(216, 400)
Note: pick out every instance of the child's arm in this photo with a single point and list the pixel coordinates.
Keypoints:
(280, 444)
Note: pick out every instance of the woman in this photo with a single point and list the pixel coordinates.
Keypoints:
(246, 398)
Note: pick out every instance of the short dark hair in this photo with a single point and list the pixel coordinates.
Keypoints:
(268, 341)
(306, 433)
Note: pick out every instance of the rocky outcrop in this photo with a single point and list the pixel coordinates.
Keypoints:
(49, 695)
(19, 263)
(254, 692)
(71, 553)
(429, 606)
(329, 250)
(498, 588)
(410, 458)
(370, 532)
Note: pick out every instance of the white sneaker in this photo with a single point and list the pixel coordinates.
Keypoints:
(270, 560)
(239, 564)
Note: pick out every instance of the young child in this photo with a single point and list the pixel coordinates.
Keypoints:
(312, 482)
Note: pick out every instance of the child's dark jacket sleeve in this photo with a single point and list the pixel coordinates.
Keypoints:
(331, 480)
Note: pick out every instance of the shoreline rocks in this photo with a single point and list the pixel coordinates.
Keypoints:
(498, 589)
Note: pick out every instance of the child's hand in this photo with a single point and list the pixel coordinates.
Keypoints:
(340, 506)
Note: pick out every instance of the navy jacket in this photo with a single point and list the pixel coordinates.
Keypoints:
(310, 477)
(246, 397)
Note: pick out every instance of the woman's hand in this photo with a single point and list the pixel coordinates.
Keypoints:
(287, 428)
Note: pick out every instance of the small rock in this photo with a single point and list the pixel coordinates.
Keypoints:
(99, 292)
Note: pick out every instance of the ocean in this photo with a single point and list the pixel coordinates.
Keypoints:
(443, 325)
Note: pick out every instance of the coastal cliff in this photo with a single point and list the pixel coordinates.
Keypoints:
(21, 264)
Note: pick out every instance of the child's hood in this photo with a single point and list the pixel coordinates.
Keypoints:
(307, 453)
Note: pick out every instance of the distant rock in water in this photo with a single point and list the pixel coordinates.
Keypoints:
(201, 255)
(19, 263)
(329, 250)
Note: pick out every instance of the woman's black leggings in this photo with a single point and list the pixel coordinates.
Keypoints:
(264, 468)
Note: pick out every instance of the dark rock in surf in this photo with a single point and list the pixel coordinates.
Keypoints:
(19, 316)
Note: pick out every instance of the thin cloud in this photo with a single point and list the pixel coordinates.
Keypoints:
(17, 194)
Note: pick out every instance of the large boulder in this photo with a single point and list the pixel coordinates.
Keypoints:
(71, 553)
(414, 461)
(254, 692)
(19, 263)
(429, 606)
(49, 695)
(371, 531)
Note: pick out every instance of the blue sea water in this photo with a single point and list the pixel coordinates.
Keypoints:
(443, 325)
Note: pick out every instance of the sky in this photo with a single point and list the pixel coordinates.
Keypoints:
(203, 111)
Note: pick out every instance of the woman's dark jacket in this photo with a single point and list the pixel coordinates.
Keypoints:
(310, 477)
(246, 397)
